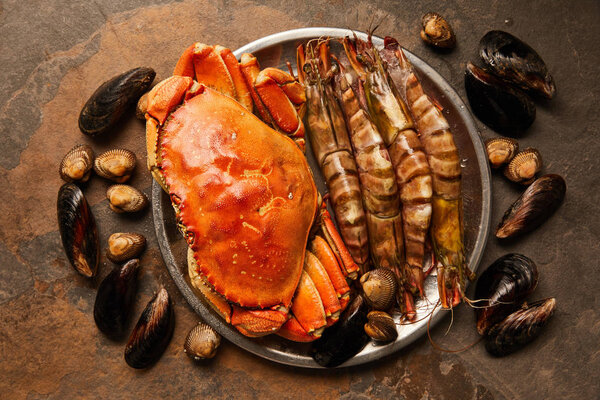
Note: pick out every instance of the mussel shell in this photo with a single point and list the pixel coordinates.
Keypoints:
(345, 339)
(501, 150)
(381, 327)
(152, 333)
(78, 230)
(502, 287)
(436, 31)
(115, 298)
(519, 328)
(379, 288)
(125, 246)
(108, 103)
(536, 204)
(125, 198)
(116, 165)
(524, 167)
(513, 60)
(76, 165)
(498, 105)
(202, 342)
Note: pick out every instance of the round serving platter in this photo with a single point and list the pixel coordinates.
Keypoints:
(274, 51)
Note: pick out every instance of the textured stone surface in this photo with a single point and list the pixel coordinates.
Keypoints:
(53, 54)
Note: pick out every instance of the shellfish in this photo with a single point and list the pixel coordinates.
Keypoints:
(498, 105)
(513, 60)
(125, 246)
(524, 167)
(153, 332)
(539, 201)
(502, 287)
(381, 327)
(202, 342)
(109, 102)
(125, 198)
(76, 165)
(78, 230)
(520, 327)
(436, 31)
(116, 165)
(379, 287)
(115, 297)
(501, 150)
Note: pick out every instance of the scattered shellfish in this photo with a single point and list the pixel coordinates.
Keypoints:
(498, 105)
(141, 107)
(515, 61)
(202, 342)
(108, 103)
(116, 165)
(125, 198)
(76, 166)
(501, 150)
(381, 327)
(436, 31)
(125, 246)
(520, 327)
(114, 300)
(502, 287)
(78, 230)
(524, 167)
(153, 332)
(379, 288)
(536, 204)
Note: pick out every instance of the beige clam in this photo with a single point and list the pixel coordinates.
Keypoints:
(76, 165)
(381, 327)
(202, 342)
(123, 246)
(116, 165)
(436, 31)
(501, 151)
(524, 167)
(125, 198)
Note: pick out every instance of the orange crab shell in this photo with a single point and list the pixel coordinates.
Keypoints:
(245, 196)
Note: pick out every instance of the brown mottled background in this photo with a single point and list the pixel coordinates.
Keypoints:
(54, 53)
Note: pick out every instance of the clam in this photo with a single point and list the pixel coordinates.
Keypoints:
(524, 166)
(78, 230)
(202, 342)
(116, 165)
(76, 166)
(152, 333)
(142, 106)
(502, 287)
(345, 339)
(498, 105)
(379, 288)
(501, 150)
(381, 327)
(520, 327)
(110, 101)
(536, 205)
(125, 198)
(125, 246)
(115, 298)
(436, 31)
(515, 61)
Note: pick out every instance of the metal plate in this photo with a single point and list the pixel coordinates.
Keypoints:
(274, 51)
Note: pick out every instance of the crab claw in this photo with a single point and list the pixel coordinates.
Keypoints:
(256, 323)
(292, 330)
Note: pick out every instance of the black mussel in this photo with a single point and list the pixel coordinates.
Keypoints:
(498, 105)
(379, 288)
(345, 339)
(202, 342)
(152, 334)
(123, 246)
(115, 298)
(501, 150)
(381, 327)
(515, 61)
(536, 205)
(108, 103)
(519, 328)
(524, 167)
(436, 31)
(78, 230)
(502, 287)
(76, 165)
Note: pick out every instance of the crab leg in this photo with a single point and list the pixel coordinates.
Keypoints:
(307, 307)
(349, 267)
(241, 88)
(317, 273)
(292, 330)
(256, 323)
(328, 259)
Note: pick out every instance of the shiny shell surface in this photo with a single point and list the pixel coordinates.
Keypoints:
(125, 198)
(123, 246)
(202, 342)
(116, 165)
(76, 166)
(381, 326)
(379, 288)
(436, 31)
(501, 150)
(110, 101)
(524, 167)
(78, 230)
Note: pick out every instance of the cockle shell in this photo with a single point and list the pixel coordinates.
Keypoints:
(125, 246)
(436, 31)
(125, 198)
(202, 342)
(501, 150)
(379, 288)
(116, 165)
(524, 167)
(76, 165)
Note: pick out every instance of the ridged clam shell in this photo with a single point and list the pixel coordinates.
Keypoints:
(125, 198)
(379, 288)
(202, 342)
(78, 230)
(381, 327)
(141, 107)
(125, 246)
(501, 150)
(116, 165)
(524, 166)
(436, 31)
(76, 165)
(110, 101)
